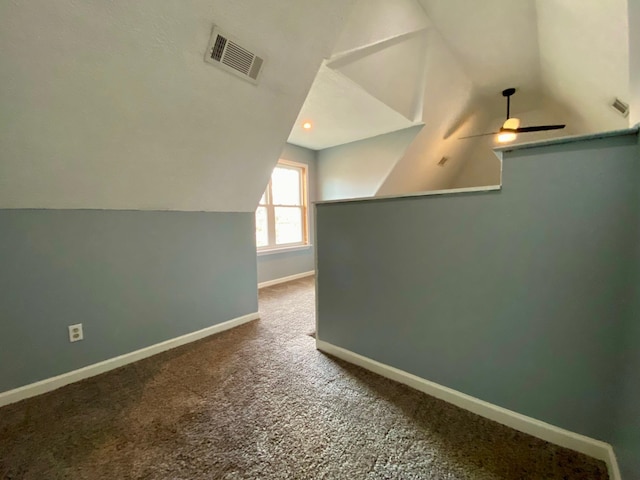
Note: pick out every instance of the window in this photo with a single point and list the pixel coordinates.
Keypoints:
(281, 216)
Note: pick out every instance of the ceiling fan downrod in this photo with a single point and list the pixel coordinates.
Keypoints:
(507, 92)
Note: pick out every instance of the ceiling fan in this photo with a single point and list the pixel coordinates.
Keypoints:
(511, 127)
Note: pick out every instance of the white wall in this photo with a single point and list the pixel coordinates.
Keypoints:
(110, 105)
(400, 83)
(584, 58)
(372, 83)
(373, 21)
(358, 169)
(448, 93)
(634, 60)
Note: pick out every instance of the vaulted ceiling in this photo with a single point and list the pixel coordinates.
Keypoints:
(567, 58)
(109, 104)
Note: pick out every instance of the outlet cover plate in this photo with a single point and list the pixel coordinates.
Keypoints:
(75, 332)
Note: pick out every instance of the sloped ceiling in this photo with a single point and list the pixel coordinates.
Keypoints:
(584, 51)
(563, 56)
(496, 41)
(377, 66)
(110, 104)
(341, 112)
(400, 84)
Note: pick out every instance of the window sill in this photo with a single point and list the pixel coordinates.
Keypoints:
(272, 251)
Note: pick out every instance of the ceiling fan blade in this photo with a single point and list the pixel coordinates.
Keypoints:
(538, 128)
(479, 135)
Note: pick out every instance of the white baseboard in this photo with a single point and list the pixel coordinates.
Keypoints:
(545, 431)
(43, 386)
(286, 279)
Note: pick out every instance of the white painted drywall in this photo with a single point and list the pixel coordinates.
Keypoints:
(400, 82)
(494, 40)
(575, 54)
(447, 114)
(373, 21)
(110, 104)
(634, 61)
(341, 111)
(373, 82)
(584, 56)
(357, 169)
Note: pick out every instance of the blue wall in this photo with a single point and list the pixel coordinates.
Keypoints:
(626, 440)
(520, 297)
(132, 278)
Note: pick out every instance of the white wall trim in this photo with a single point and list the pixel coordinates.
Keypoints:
(279, 251)
(268, 283)
(427, 193)
(545, 431)
(49, 384)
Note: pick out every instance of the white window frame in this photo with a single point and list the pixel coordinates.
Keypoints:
(272, 247)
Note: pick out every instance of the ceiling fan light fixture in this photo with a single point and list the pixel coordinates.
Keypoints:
(511, 124)
(511, 127)
(506, 137)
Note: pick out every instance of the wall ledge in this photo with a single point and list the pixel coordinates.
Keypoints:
(545, 431)
(53, 383)
(427, 193)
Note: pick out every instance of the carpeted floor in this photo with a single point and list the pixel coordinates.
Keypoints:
(260, 402)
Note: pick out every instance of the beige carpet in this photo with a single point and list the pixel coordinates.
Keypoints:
(260, 402)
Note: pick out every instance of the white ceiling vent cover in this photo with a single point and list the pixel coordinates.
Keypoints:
(226, 52)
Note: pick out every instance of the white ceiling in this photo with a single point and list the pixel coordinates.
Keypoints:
(374, 21)
(495, 40)
(377, 66)
(341, 112)
(572, 56)
(584, 49)
(110, 104)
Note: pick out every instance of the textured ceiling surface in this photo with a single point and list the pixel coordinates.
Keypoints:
(584, 50)
(110, 104)
(341, 111)
(495, 40)
(373, 82)
(570, 56)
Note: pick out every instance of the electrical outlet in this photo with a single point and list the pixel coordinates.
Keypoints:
(75, 332)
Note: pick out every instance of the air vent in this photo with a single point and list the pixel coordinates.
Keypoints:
(620, 107)
(442, 161)
(235, 57)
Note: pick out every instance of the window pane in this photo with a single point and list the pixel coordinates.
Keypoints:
(262, 227)
(288, 225)
(285, 186)
(263, 198)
